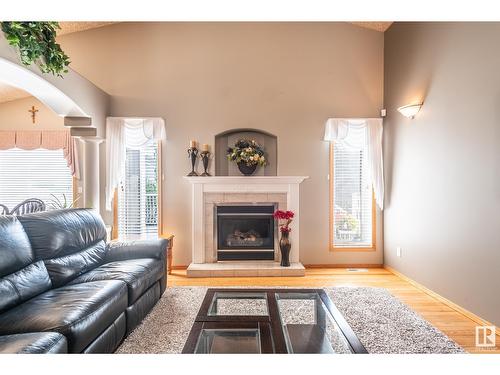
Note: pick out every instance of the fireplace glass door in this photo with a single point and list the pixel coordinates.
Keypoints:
(245, 232)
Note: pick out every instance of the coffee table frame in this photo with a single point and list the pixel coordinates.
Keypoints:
(271, 331)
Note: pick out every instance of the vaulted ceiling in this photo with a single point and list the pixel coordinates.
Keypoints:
(379, 26)
(73, 27)
(9, 93)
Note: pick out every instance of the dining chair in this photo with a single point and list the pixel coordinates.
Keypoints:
(28, 206)
(4, 210)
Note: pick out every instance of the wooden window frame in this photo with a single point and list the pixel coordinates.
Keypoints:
(74, 187)
(332, 246)
(114, 231)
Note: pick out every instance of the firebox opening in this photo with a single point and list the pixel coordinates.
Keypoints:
(245, 232)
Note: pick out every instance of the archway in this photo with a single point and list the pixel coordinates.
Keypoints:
(18, 76)
(82, 104)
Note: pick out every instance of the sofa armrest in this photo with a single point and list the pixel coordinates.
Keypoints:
(137, 249)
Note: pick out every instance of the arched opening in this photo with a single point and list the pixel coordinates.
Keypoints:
(83, 106)
(21, 78)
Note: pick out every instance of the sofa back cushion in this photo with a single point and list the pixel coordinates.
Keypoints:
(15, 248)
(20, 278)
(70, 242)
(24, 284)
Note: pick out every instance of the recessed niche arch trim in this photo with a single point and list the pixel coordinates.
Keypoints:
(229, 137)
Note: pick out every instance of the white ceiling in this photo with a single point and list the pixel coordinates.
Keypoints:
(9, 93)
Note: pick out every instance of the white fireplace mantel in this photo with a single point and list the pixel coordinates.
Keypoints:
(201, 186)
(221, 183)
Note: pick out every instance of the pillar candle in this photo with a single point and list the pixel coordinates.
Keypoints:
(204, 147)
(192, 144)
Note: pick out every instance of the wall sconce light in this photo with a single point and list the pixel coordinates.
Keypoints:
(410, 110)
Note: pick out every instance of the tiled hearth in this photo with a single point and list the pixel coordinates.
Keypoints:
(207, 192)
(244, 269)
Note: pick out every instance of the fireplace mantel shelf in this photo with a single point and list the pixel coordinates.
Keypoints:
(246, 179)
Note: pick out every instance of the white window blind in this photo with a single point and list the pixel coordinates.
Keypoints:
(34, 174)
(352, 193)
(138, 194)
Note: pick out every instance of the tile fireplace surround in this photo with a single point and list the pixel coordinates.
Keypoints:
(207, 192)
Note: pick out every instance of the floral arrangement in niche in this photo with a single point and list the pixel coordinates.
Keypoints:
(286, 218)
(248, 152)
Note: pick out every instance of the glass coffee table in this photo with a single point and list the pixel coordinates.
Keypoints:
(270, 321)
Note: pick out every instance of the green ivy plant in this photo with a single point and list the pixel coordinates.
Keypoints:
(36, 42)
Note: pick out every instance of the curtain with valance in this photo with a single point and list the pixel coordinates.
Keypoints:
(126, 132)
(338, 129)
(46, 139)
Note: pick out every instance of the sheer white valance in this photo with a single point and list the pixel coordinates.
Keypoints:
(46, 139)
(338, 129)
(122, 132)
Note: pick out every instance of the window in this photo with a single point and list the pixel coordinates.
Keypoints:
(36, 173)
(138, 194)
(352, 222)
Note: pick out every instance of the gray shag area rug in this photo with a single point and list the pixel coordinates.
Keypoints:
(382, 323)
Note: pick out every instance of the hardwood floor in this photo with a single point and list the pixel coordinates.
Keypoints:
(451, 322)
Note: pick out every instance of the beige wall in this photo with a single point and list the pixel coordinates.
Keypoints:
(14, 115)
(204, 78)
(443, 167)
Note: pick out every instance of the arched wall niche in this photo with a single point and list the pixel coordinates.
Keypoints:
(229, 137)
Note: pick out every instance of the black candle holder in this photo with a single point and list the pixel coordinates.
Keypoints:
(193, 154)
(205, 157)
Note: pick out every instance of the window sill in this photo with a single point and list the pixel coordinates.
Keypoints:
(352, 249)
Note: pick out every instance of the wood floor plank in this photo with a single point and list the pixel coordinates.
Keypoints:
(451, 322)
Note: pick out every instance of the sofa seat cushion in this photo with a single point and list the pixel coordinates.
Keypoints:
(81, 312)
(139, 274)
(33, 343)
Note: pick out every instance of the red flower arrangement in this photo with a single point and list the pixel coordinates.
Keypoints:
(287, 216)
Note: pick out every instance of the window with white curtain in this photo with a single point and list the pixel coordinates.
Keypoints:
(39, 173)
(352, 221)
(138, 193)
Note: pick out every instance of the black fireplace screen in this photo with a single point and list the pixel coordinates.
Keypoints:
(245, 227)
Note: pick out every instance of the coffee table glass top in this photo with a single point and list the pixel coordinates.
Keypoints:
(270, 321)
(228, 341)
(308, 326)
(238, 303)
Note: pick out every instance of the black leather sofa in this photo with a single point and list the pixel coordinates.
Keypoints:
(64, 289)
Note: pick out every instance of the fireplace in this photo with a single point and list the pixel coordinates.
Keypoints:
(209, 194)
(245, 232)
